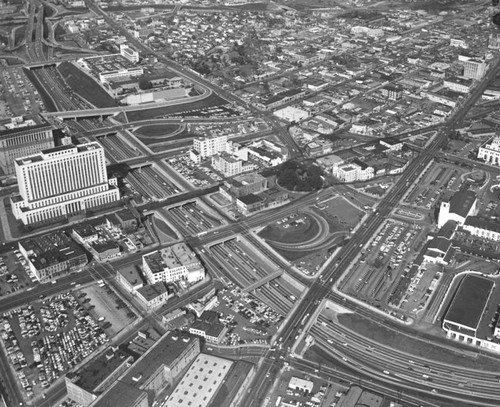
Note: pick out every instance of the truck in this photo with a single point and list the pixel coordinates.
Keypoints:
(278, 401)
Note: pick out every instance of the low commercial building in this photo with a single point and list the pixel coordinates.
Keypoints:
(296, 383)
(245, 184)
(460, 85)
(156, 369)
(484, 228)
(469, 313)
(52, 255)
(154, 295)
(104, 250)
(489, 152)
(354, 171)
(174, 263)
(201, 382)
(292, 114)
(249, 203)
(88, 382)
(279, 99)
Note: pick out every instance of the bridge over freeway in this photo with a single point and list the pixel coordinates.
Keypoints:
(263, 281)
(42, 64)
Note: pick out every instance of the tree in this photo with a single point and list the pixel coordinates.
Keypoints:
(145, 84)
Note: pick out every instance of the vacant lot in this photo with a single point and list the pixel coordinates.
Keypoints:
(85, 86)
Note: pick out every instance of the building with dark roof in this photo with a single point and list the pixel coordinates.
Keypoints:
(484, 228)
(461, 205)
(85, 384)
(159, 367)
(154, 295)
(211, 332)
(467, 307)
(52, 255)
(249, 203)
(104, 250)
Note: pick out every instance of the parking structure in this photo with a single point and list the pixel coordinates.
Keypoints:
(148, 182)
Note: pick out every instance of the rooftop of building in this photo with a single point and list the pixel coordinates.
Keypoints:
(84, 230)
(151, 291)
(201, 382)
(287, 93)
(170, 257)
(50, 153)
(245, 179)
(462, 202)
(164, 352)
(104, 246)
(250, 199)
(481, 223)
(469, 301)
(92, 374)
(212, 329)
(236, 376)
(19, 131)
(50, 249)
(131, 274)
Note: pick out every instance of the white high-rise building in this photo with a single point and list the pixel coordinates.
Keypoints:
(62, 181)
(473, 68)
(209, 146)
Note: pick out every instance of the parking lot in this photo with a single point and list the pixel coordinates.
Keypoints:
(245, 266)
(117, 149)
(21, 96)
(249, 320)
(193, 218)
(45, 339)
(439, 179)
(15, 274)
(197, 175)
(150, 183)
(383, 274)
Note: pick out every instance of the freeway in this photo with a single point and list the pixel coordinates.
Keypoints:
(331, 275)
(367, 356)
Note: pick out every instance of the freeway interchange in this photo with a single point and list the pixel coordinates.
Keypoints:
(413, 381)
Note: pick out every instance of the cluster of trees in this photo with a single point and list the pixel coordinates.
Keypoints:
(298, 176)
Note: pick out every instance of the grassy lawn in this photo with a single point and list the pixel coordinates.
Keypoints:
(85, 86)
(211, 101)
(164, 228)
(340, 215)
(157, 131)
(408, 344)
(300, 232)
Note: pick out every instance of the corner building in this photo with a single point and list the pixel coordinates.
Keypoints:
(62, 181)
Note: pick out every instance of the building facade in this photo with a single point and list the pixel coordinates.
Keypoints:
(23, 141)
(490, 151)
(174, 263)
(209, 146)
(62, 181)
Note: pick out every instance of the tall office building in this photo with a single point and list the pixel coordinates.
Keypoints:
(21, 138)
(62, 181)
(473, 68)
